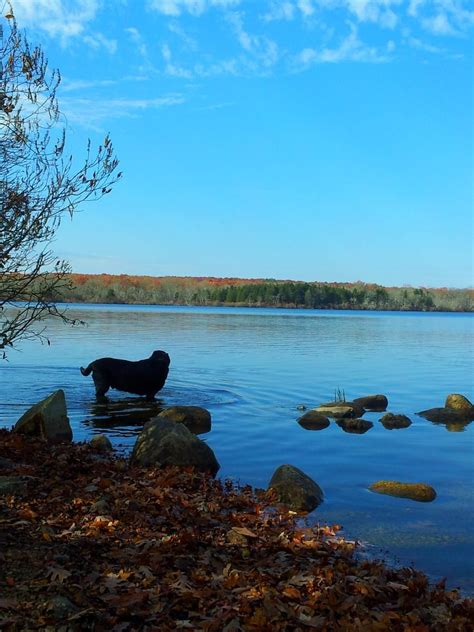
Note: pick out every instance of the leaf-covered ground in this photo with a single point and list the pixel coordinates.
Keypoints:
(93, 545)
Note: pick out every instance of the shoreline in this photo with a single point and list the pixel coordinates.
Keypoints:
(279, 307)
(91, 540)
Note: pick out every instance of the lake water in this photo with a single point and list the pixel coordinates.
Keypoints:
(251, 368)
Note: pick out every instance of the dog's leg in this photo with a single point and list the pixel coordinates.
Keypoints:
(101, 384)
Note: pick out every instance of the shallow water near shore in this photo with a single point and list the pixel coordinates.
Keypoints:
(251, 368)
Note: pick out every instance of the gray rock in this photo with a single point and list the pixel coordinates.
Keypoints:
(61, 607)
(313, 420)
(13, 485)
(101, 506)
(295, 489)
(340, 410)
(7, 464)
(355, 426)
(164, 442)
(377, 403)
(196, 419)
(391, 421)
(301, 407)
(47, 419)
(101, 443)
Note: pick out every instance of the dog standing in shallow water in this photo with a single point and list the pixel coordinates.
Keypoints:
(145, 377)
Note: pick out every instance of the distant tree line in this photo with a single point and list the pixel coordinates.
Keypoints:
(260, 293)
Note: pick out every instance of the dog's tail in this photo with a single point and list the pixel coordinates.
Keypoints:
(86, 371)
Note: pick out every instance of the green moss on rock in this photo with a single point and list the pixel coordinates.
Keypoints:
(414, 491)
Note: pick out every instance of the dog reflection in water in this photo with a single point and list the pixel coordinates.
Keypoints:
(144, 377)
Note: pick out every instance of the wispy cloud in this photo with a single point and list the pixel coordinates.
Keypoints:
(351, 48)
(97, 41)
(92, 113)
(195, 7)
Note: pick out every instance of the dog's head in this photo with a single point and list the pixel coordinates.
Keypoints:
(160, 356)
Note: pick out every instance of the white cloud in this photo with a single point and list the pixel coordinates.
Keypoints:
(92, 113)
(350, 49)
(279, 10)
(263, 49)
(195, 7)
(97, 40)
(56, 17)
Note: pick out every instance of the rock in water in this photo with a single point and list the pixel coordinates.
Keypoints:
(313, 421)
(340, 410)
(414, 491)
(442, 415)
(377, 403)
(47, 419)
(101, 443)
(295, 489)
(461, 404)
(164, 442)
(196, 419)
(391, 421)
(355, 426)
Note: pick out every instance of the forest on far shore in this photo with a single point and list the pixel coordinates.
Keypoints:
(147, 290)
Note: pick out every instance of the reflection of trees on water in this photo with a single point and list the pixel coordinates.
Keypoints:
(130, 411)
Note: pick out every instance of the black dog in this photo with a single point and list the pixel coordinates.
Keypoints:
(145, 377)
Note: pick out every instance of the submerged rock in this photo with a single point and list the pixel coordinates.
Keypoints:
(196, 419)
(355, 426)
(313, 420)
(414, 491)
(377, 403)
(391, 421)
(47, 419)
(443, 415)
(164, 442)
(295, 489)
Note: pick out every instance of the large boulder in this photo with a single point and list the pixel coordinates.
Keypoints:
(295, 489)
(355, 426)
(196, 419)
(377, 403)
(313, 420)
(47, 419)
(340, 410)
(461, 404)
(164, 442)
(391, 421)
(415, 491)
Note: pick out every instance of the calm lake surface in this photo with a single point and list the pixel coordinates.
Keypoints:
(251, 368)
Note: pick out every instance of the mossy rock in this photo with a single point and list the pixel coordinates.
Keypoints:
(461, 404)
(414, 491)
(313, 421)
(391, 421)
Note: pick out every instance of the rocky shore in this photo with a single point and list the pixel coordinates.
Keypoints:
(90, 541)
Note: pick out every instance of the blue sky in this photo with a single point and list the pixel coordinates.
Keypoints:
(321, 140)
